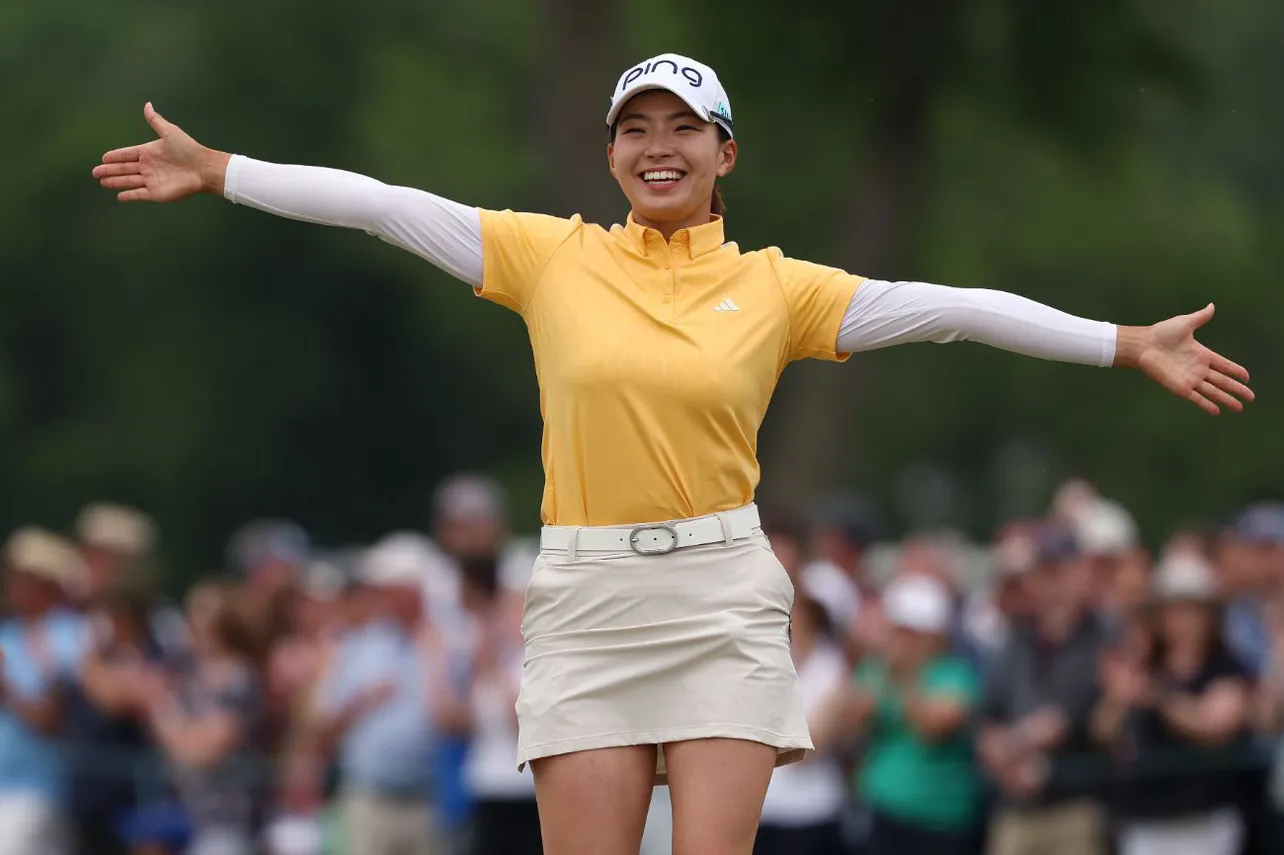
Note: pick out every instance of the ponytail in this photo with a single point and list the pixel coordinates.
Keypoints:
(718, 207)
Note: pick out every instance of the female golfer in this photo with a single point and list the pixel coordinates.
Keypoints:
(656, 617)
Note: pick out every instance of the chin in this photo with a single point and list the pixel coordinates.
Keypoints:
(665, 210)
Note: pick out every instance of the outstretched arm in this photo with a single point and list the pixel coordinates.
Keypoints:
(882, 314)
(175, 166)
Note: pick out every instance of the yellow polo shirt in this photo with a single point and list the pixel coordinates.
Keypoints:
(655, 360)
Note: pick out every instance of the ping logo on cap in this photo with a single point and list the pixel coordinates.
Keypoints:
(692, 75)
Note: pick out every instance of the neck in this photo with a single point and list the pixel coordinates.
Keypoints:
(668, 228)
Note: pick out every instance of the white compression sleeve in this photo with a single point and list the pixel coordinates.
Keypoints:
(443, 232)
(882, 314)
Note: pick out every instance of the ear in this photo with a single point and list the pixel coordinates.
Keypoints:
(610, 158)
(727, 158)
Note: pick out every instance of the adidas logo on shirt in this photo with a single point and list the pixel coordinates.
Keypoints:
(726, 306)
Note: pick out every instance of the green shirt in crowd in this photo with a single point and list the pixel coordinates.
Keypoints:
(931, 784)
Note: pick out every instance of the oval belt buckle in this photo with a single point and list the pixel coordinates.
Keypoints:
(635, 536)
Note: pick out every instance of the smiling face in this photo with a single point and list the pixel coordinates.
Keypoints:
(666, 160)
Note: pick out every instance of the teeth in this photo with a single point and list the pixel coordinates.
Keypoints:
(661, 175)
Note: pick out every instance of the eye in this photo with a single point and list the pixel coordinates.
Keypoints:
(631, 131)
(688, 128)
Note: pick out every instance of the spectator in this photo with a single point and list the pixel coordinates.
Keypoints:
(206, 716)
(1035, 713)
(117, 543)
(841, 535)
(1247, 576)
(990, 613)
(505, 817)
(295, 668)
(106, 728)
(41, 646)
(803, 810)
(844, 531)
(912, 703)
(1107, 536)
(374, 707)
(1178, 720)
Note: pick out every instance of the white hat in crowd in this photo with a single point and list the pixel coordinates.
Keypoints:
(1104, 528)
(44, 554)
(1185, 575)
(918, 602)
(118, 528)
(394, 561)
(693, 82)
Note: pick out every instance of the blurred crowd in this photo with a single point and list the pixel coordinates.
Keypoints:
(1063, 689)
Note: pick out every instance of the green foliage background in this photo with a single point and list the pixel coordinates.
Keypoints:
(1116, 158)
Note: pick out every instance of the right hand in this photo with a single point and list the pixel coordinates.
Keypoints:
(167, 169)
(1043, 728)
(1124, 681)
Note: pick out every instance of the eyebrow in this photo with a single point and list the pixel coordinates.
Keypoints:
(683, 114)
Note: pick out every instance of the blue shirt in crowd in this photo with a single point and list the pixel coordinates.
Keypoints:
(31, 762)
(389, 748)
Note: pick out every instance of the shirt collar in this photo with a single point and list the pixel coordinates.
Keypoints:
(697, 240)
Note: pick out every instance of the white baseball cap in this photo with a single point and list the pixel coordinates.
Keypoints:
(918, 602)
(1105, 528)
(693, 82)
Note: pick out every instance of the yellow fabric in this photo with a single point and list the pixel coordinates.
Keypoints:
(651, 397)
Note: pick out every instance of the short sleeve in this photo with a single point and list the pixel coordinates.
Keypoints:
(515, 249)
(817, 297)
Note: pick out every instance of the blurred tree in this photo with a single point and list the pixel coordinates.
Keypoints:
(212, 364)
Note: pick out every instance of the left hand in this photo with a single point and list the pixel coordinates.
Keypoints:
(1169, 354)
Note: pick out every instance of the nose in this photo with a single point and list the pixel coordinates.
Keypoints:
(659, 146)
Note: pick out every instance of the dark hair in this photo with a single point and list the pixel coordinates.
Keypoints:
(1218, 648)
(717, 206)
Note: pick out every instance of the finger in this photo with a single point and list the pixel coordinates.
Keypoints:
(1231, 369)
(1203, 316)
(124, 182)
(1233, 386)
(120, 155)
(141, 194)
(1203, 403)
(1212, 393)
(108, 170)
(158, 122)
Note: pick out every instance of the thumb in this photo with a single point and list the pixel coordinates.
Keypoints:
(1203, 316)
(159, 123)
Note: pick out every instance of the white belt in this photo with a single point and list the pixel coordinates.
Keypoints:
(652, 538)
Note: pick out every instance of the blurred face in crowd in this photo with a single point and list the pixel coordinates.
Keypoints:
(271, 576)
(1131, 581)
(470, 536)
(1059, 587)
(1268, 561)
(909, 648)
(1185, 622)
(403, 603)
(666, 160)
(29, 594)
(217, 622)
(1237, 566)
(104, 566)
(1012, 597)
(311, 613)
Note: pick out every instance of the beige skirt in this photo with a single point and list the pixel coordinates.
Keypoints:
(628, 649)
